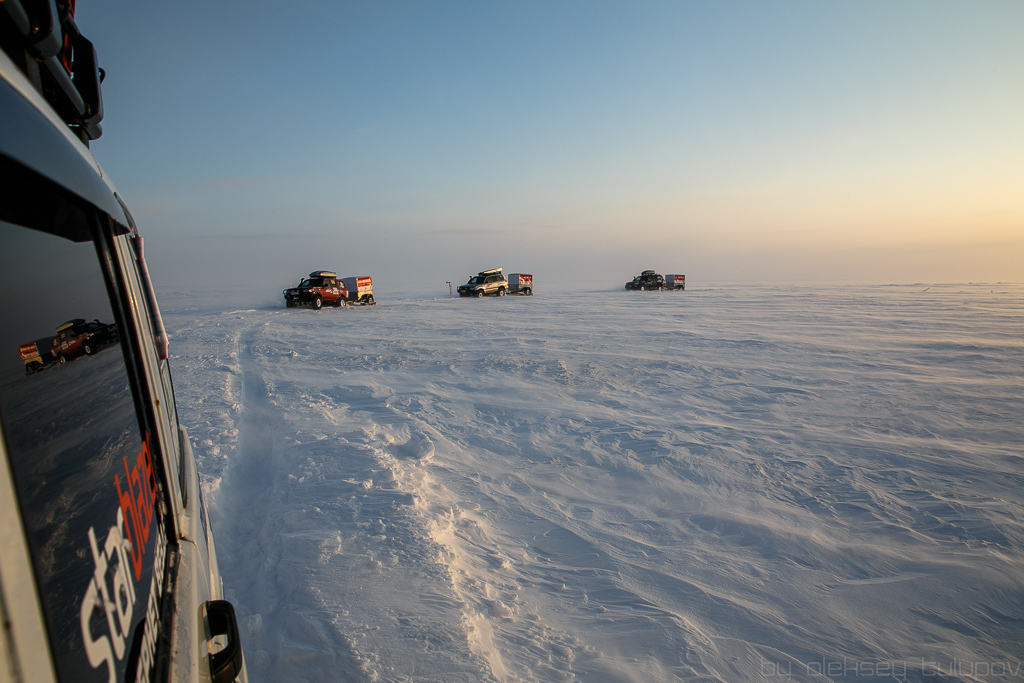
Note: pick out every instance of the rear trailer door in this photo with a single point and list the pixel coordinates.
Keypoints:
(82, 454)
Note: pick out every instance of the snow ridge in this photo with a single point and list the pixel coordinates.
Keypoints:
(720, 485)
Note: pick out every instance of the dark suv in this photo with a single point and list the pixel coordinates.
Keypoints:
(647, 280)
(107, 564)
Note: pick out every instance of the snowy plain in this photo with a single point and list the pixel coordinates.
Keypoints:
(725, 484)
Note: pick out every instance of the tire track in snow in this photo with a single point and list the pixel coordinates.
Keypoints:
(254, 468)
(282, 642)
(245, 499)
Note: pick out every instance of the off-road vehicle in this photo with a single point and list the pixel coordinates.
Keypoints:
(321, 288)
(107, 564)
(485, 283)
(76, 337)
(646, 280)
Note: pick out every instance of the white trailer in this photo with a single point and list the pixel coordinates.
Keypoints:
(675, 281)
(520, 283)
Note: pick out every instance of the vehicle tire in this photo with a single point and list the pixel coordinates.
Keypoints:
(501, 291)
(529, 292)
(641, 288)
(317, 303)
(62, 359)
(479, 293)
(661, 289)
(88, 349)
(369, 299)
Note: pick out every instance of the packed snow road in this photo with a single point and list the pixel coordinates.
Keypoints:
(732, 484)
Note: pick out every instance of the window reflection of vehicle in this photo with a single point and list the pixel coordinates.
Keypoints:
(76, 337)
(69, 435)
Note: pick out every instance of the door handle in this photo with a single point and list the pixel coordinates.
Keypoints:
(225, 665)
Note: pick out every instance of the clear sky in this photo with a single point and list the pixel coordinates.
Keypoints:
(584, 141)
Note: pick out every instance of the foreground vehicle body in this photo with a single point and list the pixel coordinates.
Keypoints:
(321, 288)
(485, 283)
(108, 570)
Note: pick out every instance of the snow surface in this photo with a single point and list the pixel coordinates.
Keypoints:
(723, 484)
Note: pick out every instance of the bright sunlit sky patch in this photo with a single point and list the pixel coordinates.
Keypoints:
(732, 141)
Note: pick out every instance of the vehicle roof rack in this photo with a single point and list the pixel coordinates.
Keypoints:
(492, 271)
(43, 40)
(70, 323)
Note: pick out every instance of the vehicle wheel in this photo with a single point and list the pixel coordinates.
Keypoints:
(479, 293)
(501, 292)
(529, 292)
(30, 369)
(661, 289)
(289, 304)
(369, 299)
(62, 359)
(88, 349)
(317, 303)
(641, 288)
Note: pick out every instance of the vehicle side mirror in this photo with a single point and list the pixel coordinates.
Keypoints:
(226, 664)
(87, 79)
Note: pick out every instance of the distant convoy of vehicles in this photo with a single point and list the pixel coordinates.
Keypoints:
(325, 288)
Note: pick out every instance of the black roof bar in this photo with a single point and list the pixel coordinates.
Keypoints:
(58, 60)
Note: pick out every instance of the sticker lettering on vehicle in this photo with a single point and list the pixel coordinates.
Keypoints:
(117, 569)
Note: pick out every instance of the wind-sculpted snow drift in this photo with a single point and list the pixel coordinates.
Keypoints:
(721, 485)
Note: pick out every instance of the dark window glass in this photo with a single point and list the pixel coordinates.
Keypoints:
(85, 473)
(163, 389)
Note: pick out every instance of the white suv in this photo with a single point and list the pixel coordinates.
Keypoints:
(485, 283)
